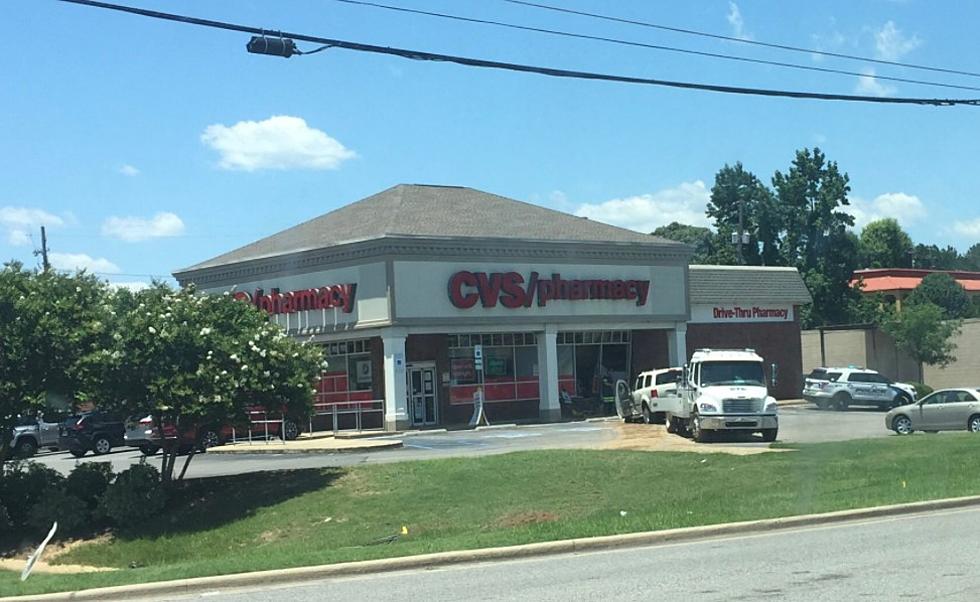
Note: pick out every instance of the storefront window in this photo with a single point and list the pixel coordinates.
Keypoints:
(510, 367)
(590, 363)
(348, 376)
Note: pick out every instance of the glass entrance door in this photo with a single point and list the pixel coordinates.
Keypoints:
(422, 400)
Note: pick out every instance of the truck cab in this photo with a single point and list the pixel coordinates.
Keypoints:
(724, 390)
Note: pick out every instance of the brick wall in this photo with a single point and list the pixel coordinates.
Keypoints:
(777, 342)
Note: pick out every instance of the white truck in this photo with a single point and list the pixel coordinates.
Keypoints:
(724, 390)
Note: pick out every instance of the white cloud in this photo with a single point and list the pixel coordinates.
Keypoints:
(891, 44)
(738, 24)
(18, 238)
(904, 208)
(16, 222)
(129, 170)
(133, 286)
(833, 41)
(684, 203)
(81, 261)
(968, 227)
(869, 85)
(134, 229)
(279, 142)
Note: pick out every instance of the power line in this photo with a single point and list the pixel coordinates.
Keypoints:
(524, 68)
(716, 36)
(619, 41)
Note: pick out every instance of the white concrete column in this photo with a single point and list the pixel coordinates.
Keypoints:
(396, 386)
(549, 409)
(677, 344)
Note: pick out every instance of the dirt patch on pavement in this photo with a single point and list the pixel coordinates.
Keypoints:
(654, 437)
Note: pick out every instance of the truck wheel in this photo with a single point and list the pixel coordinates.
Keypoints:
(841, 401)
(647, 416)
(671, 424)
(697, 433)
(26, 448)
(769, 435)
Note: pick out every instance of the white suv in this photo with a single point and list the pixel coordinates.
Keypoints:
(839, 388)
(652, 385)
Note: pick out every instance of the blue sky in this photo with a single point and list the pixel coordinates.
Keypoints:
(147, 146)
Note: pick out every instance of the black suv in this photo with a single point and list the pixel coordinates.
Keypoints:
(91, 431)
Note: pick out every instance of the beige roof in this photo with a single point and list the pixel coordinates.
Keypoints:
(731, 283)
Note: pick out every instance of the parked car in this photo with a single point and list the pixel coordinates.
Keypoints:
(147, 437)
(840, 388)
(650, 387)
(32, 434)
(943, 410)
(93, 431)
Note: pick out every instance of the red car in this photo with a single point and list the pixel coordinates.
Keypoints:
(145, 436)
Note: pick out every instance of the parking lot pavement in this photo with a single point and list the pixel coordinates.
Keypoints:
(802, 424)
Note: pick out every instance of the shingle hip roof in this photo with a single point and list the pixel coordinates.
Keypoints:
(423, 211)
(729, 284)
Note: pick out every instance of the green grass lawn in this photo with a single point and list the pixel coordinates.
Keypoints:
(308, 517)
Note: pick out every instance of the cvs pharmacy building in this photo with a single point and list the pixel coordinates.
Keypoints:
(402, 287)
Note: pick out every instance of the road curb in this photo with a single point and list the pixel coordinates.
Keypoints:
(340, 450)
(567, 546)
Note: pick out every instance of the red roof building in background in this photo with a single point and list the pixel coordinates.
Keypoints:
(897, 283)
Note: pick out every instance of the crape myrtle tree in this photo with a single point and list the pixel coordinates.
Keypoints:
(48, 322)
(193, 360)
(924, 332)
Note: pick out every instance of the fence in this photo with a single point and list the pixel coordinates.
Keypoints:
(344, 416)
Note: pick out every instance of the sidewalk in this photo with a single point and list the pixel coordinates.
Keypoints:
(306, 444)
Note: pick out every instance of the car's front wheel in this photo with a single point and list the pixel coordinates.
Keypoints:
(647, 416)
(149, 450)
(902, 425)
(769, 435)
(973, 424)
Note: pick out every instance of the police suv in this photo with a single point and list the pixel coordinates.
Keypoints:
(839, 388)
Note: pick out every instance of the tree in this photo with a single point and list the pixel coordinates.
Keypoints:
(923, 331)
(931, 257)
(697, 236)
(944, 291)
(971, 258)
(191, 360)
(885, 245)
(49, 321)
(811, 197)
(735, 189)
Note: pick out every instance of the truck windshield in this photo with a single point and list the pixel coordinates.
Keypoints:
(732, 373)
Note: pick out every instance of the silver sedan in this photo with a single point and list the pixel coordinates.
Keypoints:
(943, 410)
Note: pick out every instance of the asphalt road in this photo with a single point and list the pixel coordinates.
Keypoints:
(930, 556)
(797, 425)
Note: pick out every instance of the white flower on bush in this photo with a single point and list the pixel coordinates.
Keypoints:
(266, 373)
(234, 357)
(244, 367)
(205, 331)
(262, 352)
(116, 336)
(152, 330)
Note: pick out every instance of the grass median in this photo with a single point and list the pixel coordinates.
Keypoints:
(308, 517)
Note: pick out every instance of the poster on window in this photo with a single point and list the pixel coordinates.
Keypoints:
(463, 370)
(362, 372)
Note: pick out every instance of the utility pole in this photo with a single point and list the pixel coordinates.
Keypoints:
(741, 229)
(44, 251)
